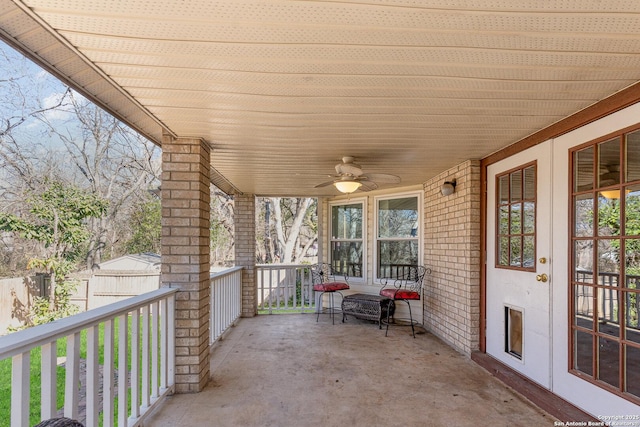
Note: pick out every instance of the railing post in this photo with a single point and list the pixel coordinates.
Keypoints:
(123, 371)
(72, 377)
(92, 375)
(20, 390)
(48, 369)
(107, 383)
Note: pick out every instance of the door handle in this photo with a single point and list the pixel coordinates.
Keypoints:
(542, 278)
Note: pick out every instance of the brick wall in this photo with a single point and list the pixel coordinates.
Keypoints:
(185, 254)
(452, 251)
(245, 250)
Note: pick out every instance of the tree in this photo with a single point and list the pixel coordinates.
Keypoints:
(112, 161)
(56, 217)
(289, 229)
(222, 231)
(146, 226)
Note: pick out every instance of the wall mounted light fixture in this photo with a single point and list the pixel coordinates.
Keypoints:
(448, 188)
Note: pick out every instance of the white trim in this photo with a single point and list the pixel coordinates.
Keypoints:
(365, 217)
(374, 234)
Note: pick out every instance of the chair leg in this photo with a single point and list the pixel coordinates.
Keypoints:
(388, 319)
(319, 306)
(331, 308)
(411, 319)
(413, 331)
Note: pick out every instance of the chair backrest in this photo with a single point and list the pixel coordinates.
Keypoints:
(324, 273)
(413, 278)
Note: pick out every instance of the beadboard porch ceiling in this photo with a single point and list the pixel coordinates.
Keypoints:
(282, 90)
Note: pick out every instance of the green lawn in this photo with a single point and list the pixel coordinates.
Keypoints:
(5, 375)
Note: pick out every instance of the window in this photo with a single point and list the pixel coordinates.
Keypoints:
(516, 218)
(397, 236)
(605, 254)
(347, 238)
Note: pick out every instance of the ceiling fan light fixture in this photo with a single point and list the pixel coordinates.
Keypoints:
(347, 186)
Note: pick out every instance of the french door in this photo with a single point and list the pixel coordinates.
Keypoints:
(518, 280)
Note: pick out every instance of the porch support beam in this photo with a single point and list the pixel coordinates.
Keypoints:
(245, 250)
(186, 169)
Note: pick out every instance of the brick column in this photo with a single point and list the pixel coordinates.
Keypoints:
(245, 250)
(452, 251)
(185, 254)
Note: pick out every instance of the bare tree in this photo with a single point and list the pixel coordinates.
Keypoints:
(109, 159)
(290, 228)
(222, 228)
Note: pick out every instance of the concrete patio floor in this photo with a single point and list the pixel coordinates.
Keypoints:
(288, 370)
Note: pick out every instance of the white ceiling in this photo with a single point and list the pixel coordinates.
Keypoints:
(282, 90)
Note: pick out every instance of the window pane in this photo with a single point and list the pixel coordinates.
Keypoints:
(503, 220)
(393, 254)
(609, 213)
(583, 300)
(503, 251)
(515, 248)
(583, 260)
(609, 163)
(633, 156)
(516, 218)
(632, 264)
(529, 218)
(608, 262)
(398, 217)
(583, 207)
(632, 310)
(528, 251)
(346, 258)
(632, 372)
(346, 221)
(583, 352)
(503, 189)
(516, 186)
(583, 170)
(530, 183)
(608, 361)
(632, 211)
(608, 309)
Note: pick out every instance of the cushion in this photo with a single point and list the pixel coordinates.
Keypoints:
(399, 294)
(330, 286)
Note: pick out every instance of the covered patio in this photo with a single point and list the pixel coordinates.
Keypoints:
(263, 98)
(288, 370)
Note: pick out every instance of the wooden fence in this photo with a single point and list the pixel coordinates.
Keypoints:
(97, 290)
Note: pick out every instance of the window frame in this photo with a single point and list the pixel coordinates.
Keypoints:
(346, 202)
(375, 231)
(522, 234)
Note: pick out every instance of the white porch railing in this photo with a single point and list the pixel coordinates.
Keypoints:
(285, 287)
(226, 301)
(144, 378)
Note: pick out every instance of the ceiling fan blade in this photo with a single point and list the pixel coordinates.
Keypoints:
(348, 169)
(382, 178)
(367, 185)
(324, 184)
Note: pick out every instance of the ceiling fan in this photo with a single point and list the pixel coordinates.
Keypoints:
(350, 178)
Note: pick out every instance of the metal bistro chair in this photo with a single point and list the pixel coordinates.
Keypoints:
(324, 281)
(407, 287)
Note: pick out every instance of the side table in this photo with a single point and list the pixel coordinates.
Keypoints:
(367, 306)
